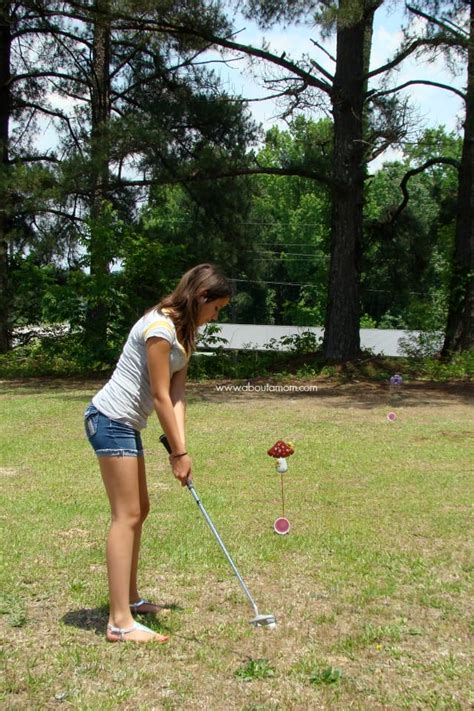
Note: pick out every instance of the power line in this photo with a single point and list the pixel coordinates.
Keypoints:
(275, 252)
(262, 281)
(288, 257)
(174, 220)
(295, 283)
(286, 244)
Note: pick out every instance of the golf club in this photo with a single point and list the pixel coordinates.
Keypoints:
(259, 620)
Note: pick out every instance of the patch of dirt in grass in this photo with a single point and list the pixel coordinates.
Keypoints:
(357, 394)
(74, 533)
(10, 471)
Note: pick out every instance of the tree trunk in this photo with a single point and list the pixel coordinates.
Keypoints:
(5, 44)
(97, 312)
(341, 334)
(460, 324)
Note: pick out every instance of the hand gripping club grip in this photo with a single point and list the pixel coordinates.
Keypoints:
(166, 445)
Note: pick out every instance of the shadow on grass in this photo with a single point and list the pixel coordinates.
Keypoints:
(40, 384)
(95, 619)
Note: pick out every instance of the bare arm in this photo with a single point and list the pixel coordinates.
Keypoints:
(158, 350)
(177, 393)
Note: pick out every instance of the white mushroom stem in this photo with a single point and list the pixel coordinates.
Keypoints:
(281, 465)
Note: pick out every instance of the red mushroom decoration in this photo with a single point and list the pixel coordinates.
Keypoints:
(280, 451)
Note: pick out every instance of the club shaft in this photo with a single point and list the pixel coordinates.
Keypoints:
(221, 544)
(165, 443)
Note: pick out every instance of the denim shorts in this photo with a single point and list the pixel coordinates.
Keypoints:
(110, 438)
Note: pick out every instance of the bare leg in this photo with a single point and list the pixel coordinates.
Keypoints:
(144, 509)
(122, 482)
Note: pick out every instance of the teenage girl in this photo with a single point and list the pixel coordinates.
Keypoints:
(150, 375)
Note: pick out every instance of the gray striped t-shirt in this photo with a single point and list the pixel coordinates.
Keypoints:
(127, 396)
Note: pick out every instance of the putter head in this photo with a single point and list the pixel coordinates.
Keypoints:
(268, 621)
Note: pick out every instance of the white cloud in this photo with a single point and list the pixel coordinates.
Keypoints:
(384, 44)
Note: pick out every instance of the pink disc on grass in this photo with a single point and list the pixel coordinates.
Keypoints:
(281, 526)
(391, 417)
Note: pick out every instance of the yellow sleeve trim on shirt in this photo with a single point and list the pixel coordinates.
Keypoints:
(162, 323)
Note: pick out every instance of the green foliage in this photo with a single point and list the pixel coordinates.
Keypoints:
(64, 301)
(308, 310)
(367, 321)
(461, 366)
(255, 669)
(63, 355)
(210, 337)
(269, 233)
(298, 343)
(228, 364)
(30, 283)
(328, 675)
(167, 117)
(180, 228)
(407, 263)
(249, 364)
(290, 220)
(154, 252)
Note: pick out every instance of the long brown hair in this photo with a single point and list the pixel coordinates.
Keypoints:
(204, 280)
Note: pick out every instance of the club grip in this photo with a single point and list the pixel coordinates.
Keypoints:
(165, 443)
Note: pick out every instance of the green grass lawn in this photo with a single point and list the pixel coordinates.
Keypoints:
(372, 588)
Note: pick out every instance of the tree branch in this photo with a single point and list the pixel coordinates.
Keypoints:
(87, 80)
(280, 61)
(34, 159)
(374, 92)
(55, 114)
(46, 209)
(415, 171)
(323, 49)
(50, 30)
(73, 217)
(225, 174)
(323, 71)
(409, 49)
(439, 23)
(46, 74)
(279, 95)
(135, 50)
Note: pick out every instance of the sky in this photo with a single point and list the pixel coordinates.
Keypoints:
(434, 107)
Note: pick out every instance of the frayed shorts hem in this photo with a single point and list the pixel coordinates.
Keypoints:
(119, 453)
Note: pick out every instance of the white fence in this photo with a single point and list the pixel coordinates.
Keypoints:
(256, 337)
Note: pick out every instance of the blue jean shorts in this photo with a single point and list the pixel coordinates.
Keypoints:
(110, 438)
